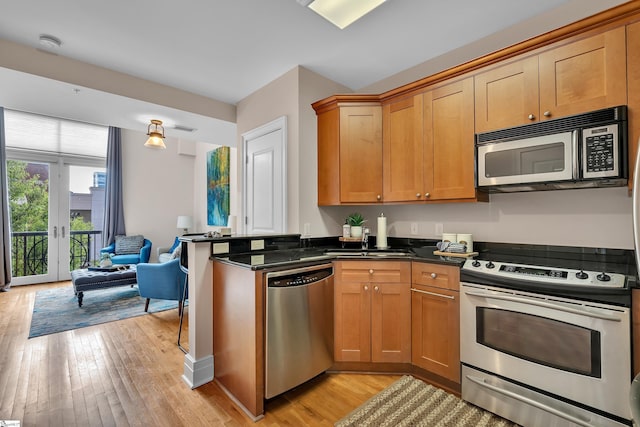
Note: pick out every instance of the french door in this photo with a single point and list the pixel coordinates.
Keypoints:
(46, 196)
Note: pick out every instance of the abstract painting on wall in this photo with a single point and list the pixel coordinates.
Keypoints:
(218, 190)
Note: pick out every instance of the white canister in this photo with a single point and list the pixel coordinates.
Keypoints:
(346, 230)
(466, 239)
(450, 237)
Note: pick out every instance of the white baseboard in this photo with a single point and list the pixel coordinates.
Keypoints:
(197, 372)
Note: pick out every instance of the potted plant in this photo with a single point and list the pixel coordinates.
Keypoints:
(356, 220)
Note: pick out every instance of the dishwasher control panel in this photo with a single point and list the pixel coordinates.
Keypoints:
(298, 278)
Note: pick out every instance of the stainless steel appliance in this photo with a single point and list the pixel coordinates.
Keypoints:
(299, 326)
(585, 150)
(546, 346)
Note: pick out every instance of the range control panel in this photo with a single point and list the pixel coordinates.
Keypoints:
(541, 274)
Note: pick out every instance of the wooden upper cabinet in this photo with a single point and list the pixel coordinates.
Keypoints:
(403, 148)
(577, 77)
(633, 103)
(585, 75)
(507, 96)
(449, 161)
(349, 149)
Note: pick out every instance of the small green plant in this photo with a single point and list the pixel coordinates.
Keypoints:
(355, 219)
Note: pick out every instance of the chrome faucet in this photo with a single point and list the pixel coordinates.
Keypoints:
(365, 238)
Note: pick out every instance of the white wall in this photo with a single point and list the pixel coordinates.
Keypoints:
(160, 185)
(584, 217)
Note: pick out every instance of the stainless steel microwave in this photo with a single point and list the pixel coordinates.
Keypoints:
(585, 150)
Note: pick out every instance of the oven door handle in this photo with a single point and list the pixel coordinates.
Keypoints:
(482, 383)
(545, 304)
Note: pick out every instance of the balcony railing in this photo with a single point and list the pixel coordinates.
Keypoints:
(30, 255)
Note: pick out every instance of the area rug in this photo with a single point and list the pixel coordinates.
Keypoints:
(56, 309)
(411, 402)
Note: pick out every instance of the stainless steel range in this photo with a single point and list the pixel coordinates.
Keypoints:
(546, 346)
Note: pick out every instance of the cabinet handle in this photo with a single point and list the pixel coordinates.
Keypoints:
(375, 288)
(371, 271)
(434, 275)
(547, 113)
(417, 195)
(366, 288)
(379, 197)
(532, 117)
(433, 294)
(55, 232)
(427, 195)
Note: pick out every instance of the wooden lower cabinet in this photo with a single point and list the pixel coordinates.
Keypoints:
(372, 311)
(435, 320)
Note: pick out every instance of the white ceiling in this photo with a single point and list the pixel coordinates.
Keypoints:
(226, 50)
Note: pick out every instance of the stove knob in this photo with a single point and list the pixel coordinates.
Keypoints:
(582, 275)
(490, 265)
(475, 263)
(604, 277)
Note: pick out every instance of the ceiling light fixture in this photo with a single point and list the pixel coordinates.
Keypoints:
(339, 12)
(155, 136)
(49, 42)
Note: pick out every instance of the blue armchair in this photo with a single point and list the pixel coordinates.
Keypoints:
(161, 281)
(143, 256)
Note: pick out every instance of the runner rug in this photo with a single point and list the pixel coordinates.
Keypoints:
(56, 309)
(411, 402)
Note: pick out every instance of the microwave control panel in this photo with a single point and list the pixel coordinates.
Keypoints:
(600, 154)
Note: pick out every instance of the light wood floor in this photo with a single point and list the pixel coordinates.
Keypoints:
(129, 373)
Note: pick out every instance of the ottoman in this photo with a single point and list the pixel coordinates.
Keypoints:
(89, 280)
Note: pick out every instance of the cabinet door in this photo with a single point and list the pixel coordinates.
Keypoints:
(329, 158)
(507, 96)
(352, 311)
(403, 150)
(435, 335)
(586, 75)
(449, 142)
(391, 322)
(360, 154)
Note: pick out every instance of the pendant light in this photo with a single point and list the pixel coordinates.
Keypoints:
(156, 135)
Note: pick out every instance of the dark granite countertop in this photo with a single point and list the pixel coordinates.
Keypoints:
(286, 251)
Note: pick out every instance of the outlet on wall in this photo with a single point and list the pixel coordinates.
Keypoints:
(414, 228)
(439, 229)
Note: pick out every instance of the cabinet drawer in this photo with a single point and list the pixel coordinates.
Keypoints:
(436, 275)
(373, 271)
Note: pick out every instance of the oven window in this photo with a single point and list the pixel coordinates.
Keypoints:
(525, 160)
(541, 340)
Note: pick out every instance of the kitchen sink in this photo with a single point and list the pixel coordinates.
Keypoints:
(359, 253)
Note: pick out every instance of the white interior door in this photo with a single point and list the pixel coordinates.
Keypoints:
(265, 178)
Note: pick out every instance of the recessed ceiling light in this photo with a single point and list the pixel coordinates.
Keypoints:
(342, 13)
(49, 42)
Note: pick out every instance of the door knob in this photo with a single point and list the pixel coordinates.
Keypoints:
(532, 117)
(371, 271)
(379, 197)
(547, 113)
(417, 195)
(375, 288)
(427, 195)
(366, 288)
(434, 275)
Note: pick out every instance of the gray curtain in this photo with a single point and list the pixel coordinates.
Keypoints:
(113, 208)
(5, 230)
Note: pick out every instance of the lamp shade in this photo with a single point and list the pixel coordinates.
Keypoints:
(156, 135)
(185, 222)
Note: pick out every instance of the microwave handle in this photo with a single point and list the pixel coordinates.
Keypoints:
(574, 155)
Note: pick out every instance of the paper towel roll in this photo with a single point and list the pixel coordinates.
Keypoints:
(231, 223)
(381, 238)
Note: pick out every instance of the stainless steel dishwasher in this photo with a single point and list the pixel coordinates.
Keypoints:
(299, 326)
